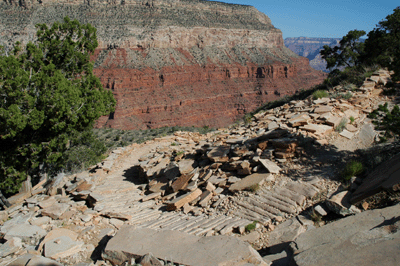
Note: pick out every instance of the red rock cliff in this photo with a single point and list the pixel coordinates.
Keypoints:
(175, 62)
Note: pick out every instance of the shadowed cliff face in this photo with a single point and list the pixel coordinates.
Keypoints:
(173, 62)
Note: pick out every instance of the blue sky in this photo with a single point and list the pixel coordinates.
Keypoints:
(323, 18)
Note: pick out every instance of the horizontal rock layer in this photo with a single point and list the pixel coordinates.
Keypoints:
(172, 63)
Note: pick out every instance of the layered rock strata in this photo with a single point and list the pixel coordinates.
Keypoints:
(172, 62)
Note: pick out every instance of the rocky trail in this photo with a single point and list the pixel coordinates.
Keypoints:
(191, 199)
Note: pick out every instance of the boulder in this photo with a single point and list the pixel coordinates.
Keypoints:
(284, 234)
(368, 238)
(385, 177)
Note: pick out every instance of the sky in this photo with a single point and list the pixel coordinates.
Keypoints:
(323, 18)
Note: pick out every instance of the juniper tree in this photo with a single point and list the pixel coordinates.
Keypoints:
(48, 92)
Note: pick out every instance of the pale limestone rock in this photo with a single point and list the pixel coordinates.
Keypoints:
(270, 166)
(61, 247)
(248, 181)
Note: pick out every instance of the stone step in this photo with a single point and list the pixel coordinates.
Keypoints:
(229, 227)
(282, 198)
(176, 225)
(170, 222)
(229, 220)
(141, 216)
(253, 208)
(261, 206)
(214, 222)
(164, 218)
(305, 189)
(187, 221)
(272, 196)
(249, 215)
(190, 223)
(222, 221)
(147, 218)
(271, 201)
(299, 199)
(195, 230)
(195, 225)
(255, 199)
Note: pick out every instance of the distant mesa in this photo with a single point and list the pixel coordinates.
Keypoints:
(175, 62)
(310, 48)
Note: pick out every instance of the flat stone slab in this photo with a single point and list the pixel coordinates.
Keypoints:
(179, 247)
(333, 121)
(323, 109)
(347, 134)
(299, 120)
(42, 261)
(368, 238)
(10, 247)
(317, 129)
(367, 134)
(56, 233)
(25, 231)
(56, 210)
(270, 166)
(303, 189)
(248, 181)
(186, 166)
(273, 125)
(61, 247)
(33, 260)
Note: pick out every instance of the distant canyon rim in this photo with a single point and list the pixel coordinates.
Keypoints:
(175, 62)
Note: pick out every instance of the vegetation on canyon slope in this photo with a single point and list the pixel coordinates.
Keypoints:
(380, 48)
(49, 100)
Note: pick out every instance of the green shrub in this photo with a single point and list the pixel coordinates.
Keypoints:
(320, 94)
(253, 188)
(247, 119)
(251, 227)
(351, 120)
(388, 121)
(85, 150)
(341, 125)
(48, 94)
(315, 217)
(353, 168)
(179, 153)
(347, 96)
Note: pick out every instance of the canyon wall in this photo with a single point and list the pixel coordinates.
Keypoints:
(174, 62)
